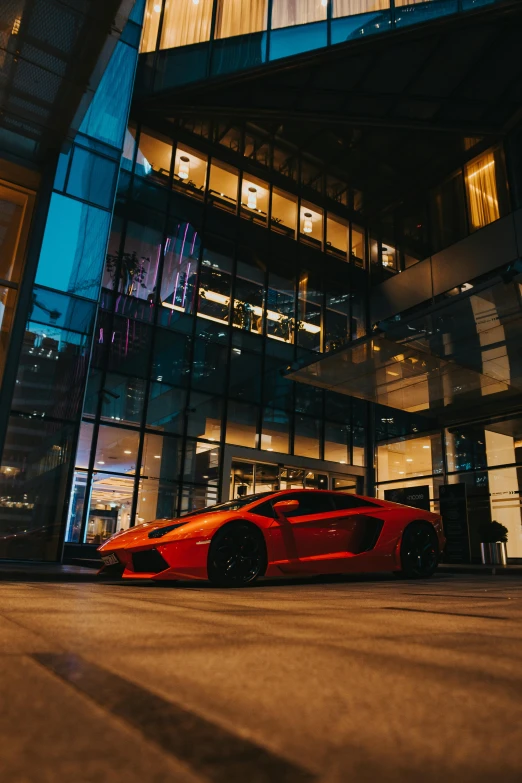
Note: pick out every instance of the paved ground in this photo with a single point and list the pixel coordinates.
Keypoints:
(365, 680)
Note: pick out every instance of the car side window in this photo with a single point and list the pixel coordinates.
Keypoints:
(347, 502)
(265, 509)
(309, 503)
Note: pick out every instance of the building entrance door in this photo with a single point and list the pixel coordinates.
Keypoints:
(249, 478)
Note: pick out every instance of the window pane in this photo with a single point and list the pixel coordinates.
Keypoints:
(228, 136)
(358, 252)
(209, 366)
(245, 375)
(311, 225)
(309, 311)
(150, 26)
(276, 431)
(83, 452)
(14, 211)
(128, 344)
(161, 457)
(311, 176)
(284, 213)
(154, 156)
(50, 372)
(307, 437)
(194, 498)
(349, 7)
(171, 358)
(76, 505)
(156, 500)
(481, 188)
(257, 149)
(201, 463)
(215, 282)
(337, 190)
(337, 315)
(204, 416)
(166, 409)
(73, 247)
(448, 213)
(285, 163)
(337, 237)
(139, 263)
(280, 311)
(91, 177)
(242, 423)
(337, 443)
(178, 283)
(7, 307)
(116, 450)
(110, 507)
(236, 17)
(223, 186)
(254, 199)
(286, 13)
(248, 313)
(185, 22)
(190, 171)
(122, 398)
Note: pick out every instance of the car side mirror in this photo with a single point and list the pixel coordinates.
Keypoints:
(284, 507)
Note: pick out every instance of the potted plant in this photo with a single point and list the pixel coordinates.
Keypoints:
(493, 537)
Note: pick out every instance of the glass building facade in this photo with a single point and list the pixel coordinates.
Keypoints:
(187, 261)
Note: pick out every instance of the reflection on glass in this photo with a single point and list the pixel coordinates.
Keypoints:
(285, 163)
(166, 408)
(153, 158)
(209, 366)
(337, 237)
(350, 7)
(245, 375)
(337, 442)
(337, 316)
(307, 436)
(122, 398)
(389, 257)
(254, 199)
(215, 284)
(138, 265)
(178, 283)
(161, 457)
(223, 186)
(240, 18)
(309, 305)
(448, 212)
(129, 146)
(190, 171)
(201, 462)
(481, 189)
(196, 497)
(311, 225)
(257, 149)
(83, 451)
(275, 433)
(284, 213)
(76, 505)
(185, 22)
(157, 499)
(287, 13)
(358, 251)
(242, 424)
(249, 301)
(407, 459)
(311, 176)
(337, 190)
(280, 313)
(228, 136)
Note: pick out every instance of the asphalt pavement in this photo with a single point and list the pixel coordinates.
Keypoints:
(355, 679)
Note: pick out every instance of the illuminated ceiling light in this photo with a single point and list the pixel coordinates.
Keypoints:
(101, 463)
(342, 462)
(324, 3)
(409, 459)
(252, 198)
(425, 447)
(184, 167)
(16, 26)
(127, 452)
(157, 456)
(390, 372)
(307, 227)
(157, 8)
(196, 2)
(270, 449)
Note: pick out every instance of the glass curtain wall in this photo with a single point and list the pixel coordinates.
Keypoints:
(37, 459)
(197, 324)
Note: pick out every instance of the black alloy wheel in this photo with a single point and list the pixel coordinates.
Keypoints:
(419, 551)
(237, 555)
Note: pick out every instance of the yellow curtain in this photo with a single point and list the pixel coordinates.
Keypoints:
(186, 23)
(287, 13)
(481, 186)
(239, 17)
(352, 7)
(150, 26)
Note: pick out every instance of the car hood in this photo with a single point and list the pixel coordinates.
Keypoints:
(190, 527)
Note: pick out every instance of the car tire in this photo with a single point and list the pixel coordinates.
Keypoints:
(419, 552)
(237, 555)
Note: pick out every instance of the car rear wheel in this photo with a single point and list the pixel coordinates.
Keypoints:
(419, 551)
(237, 555)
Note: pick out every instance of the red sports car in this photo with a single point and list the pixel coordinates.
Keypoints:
(276, 533)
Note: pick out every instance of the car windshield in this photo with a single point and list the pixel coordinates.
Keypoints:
(231, 505)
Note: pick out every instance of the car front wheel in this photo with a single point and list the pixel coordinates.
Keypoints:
(419, 551)
(237, 555)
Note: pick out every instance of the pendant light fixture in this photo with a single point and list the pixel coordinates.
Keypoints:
(252, 198)
(307, 226)
(184, 167)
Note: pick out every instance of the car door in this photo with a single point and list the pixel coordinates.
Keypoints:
(308, 530)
